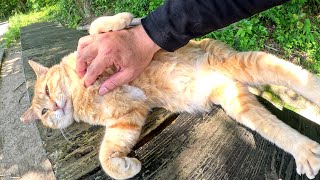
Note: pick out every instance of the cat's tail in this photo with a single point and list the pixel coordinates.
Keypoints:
(260, 68)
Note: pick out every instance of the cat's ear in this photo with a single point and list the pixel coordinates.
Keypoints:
(38, 68)
(29, 115)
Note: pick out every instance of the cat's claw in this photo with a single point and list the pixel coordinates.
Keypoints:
(307, 158)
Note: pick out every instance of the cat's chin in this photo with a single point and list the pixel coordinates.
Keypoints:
(60, 123)
(66, 121)
(67, 116)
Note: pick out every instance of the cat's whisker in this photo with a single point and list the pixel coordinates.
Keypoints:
(61, 130)
(67, 133)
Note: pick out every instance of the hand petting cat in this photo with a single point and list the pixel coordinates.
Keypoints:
(171, 26)
(97, 52)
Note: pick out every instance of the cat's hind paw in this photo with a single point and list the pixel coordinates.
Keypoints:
(308, 159)
(110, 23)
(121, 167)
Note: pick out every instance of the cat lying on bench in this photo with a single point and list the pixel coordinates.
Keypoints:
(190, 79)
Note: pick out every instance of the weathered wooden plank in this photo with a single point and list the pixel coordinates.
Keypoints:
(80, 157)
(216, 147)
(213, 146)
(40, 34)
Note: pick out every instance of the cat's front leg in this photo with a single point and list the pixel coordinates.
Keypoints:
(110, 23)
(119, 139)
(116, 144)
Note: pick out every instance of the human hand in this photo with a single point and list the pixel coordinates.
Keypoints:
(130, 51)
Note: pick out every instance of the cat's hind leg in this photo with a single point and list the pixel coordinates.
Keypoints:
(260, 68)
(241, 105)
(119, 139)
(274, 70)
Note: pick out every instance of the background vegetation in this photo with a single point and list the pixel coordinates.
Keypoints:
(290, 30)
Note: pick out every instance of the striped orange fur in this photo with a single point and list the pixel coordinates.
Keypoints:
(189, 79)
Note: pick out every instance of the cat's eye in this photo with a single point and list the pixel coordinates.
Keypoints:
(47, 91)
(44, 110)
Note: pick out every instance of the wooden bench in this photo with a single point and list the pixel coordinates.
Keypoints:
(172, 146)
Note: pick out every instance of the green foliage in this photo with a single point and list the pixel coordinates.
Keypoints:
(37, 5)
(244, 35)
(19, 20)
(72, 12)
(68, 13)
(102, 7)
(140, 8)
(291, 30)
(296, 30)
(10, 7)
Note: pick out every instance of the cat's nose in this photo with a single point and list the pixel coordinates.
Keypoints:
(55, 107)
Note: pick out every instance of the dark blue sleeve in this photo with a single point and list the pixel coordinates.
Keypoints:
(174, 23)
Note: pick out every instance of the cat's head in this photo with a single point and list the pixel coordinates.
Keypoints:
(51, 103)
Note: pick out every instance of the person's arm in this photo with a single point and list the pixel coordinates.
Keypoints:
(173, 24)
(170, 26)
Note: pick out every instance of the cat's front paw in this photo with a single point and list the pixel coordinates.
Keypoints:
(121, 167)
(111, 23)
(307, 156)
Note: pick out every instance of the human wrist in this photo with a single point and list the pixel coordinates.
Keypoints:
(143, 39)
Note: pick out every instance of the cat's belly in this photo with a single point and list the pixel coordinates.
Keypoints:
(197, 95)
(188, 92)
(180, 82)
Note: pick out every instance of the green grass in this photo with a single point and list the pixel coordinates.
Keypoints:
(19, 20)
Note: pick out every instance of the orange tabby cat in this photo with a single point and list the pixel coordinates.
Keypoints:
(189, 79)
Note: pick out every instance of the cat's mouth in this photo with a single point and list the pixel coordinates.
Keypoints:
(63, 116)
(63, 107)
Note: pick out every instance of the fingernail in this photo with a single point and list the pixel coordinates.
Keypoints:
(103, 91)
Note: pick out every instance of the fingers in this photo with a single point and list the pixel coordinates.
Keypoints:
(97, 66)
(116, 80)
(84, 41)
(81, 64)
(84, 57)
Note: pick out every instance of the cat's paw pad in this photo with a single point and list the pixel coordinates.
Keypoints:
(307, 158)
(122, 167)
(110, 23)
